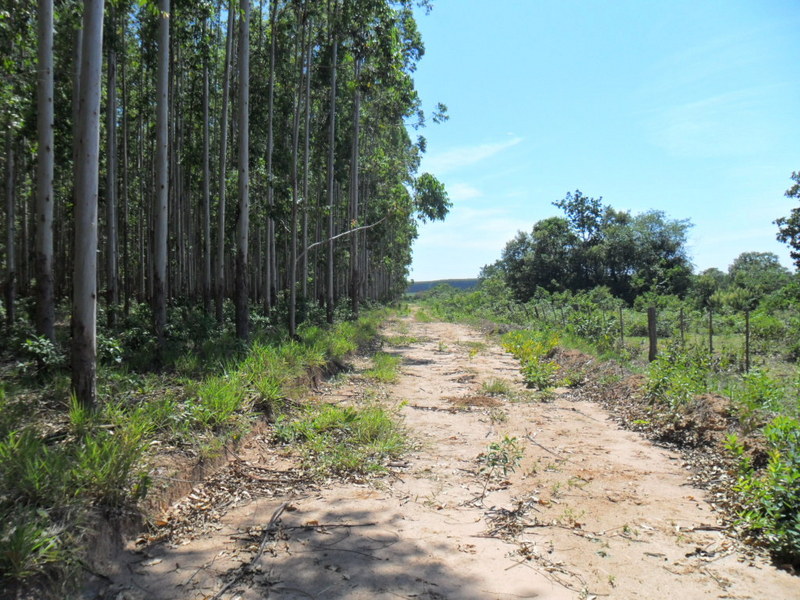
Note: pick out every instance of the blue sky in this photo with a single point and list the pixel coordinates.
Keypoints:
(690, 107)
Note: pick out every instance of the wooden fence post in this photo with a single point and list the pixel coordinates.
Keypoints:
(651, 332)
(683, 328)
(621, 330)
(747, 341)
(710, 331)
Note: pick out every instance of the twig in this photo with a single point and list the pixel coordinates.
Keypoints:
(529, 437)
(246, 568)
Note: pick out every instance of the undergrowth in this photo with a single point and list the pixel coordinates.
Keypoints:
(336, 440)
(764, 403)
(61, 466)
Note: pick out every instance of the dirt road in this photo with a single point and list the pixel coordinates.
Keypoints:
(589, 510)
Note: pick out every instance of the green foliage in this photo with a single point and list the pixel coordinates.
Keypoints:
(534, 349)
(336, 440)
(42, 356)
(29, 543)
(755, 396)
(384, 367)
(501, 457)
(594, 245)
(496, 387)
(789, 227)
(677, 375)
(772, 497)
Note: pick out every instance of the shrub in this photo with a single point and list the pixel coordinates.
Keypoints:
(534, 349)
(677, 375)
(773, 497)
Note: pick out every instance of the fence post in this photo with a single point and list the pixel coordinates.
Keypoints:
(621, 329)
(710, 331)
(651, 332)
(683, 328)
(747, 341)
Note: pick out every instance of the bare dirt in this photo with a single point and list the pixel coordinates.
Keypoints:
(591, 510)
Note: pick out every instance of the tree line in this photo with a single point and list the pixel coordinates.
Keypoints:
(639, 258)
(197, 151)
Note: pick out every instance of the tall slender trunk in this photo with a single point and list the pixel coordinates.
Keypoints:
(307, 145)
(354, 190)
(243, 224)
(206, 197)
(329, 295)
(291, 270)
(160, 209)
(11, 255)
(84, 296)
(223, 159)
(45, 308)
(126, 264)
(270, 251)
(112, 285)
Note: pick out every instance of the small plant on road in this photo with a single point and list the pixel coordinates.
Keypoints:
(500, 457)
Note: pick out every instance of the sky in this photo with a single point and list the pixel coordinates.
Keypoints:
(691, 107)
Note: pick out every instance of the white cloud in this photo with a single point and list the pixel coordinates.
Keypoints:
(463, 191)
(723, 125)
(465, 156)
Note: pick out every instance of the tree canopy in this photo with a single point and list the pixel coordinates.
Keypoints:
(596, 245)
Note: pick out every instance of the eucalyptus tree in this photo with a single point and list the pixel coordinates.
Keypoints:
(84, 294)
(45, 304)
(223, 164)
(112, 250)
(243, 223)
(161, 197)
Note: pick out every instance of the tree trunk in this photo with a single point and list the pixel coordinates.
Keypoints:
(292, 266)
(126, 264)
(112, 286)
(11, 255)
(306, 152)
(223, 151)
(330, 300)
(355, 282)
(270, 250)
(84, 297)
(160, 209)
(206, 198)
(243, 224)
(45, 308)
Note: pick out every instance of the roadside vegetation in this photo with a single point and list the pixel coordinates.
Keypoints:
(725, 375)
(64, 467)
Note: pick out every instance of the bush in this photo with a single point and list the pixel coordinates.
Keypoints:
(677, 375)
(773, 497)
(534, 349)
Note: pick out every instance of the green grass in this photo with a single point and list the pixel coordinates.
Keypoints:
(385, 367)
(336, 440)
(497, 387)
(53, 483)
(401, 340)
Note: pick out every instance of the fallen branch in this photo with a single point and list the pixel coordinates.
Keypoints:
(248, 567)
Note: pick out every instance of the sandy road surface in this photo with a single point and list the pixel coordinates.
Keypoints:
(590, 510)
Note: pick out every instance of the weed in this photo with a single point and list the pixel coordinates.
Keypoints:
(29, 542)
(772, 498)
(533, 349)
(496, 387)
(754, 397)
(384, 367)
(423, 316)
(401, 340)
(677, 375)
(498, 416)
(341, 440)
(503, 456)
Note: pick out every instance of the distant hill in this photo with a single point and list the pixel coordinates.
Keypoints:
(422, 286)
